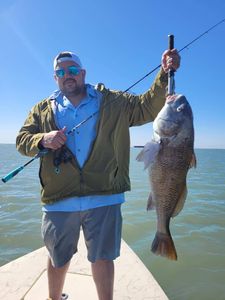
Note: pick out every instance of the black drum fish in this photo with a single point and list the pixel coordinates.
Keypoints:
(168, 158)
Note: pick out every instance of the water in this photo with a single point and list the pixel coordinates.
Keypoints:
(198, 231)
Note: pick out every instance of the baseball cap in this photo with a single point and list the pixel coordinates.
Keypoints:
(66, 56)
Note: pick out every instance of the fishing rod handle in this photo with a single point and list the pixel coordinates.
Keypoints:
(171, 41)
(12, 174)
(17, 170)
(171, 82)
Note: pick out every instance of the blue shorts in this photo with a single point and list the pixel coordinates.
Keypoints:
(101, 227)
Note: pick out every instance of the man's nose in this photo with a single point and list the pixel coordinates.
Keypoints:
(67, 74)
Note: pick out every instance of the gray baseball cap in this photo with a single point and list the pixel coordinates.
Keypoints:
(66, 56)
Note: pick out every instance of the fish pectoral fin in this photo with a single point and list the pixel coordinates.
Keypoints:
(151, 203)
(140, 156)
(148, 154)
(193, 162)
(180, 202)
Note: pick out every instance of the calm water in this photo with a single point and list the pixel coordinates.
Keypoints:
(198, 232)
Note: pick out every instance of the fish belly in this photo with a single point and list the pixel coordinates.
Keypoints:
(168, 185)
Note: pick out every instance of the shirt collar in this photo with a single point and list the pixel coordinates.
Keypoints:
(57, 95)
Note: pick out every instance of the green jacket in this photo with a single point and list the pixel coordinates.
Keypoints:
(106, 170)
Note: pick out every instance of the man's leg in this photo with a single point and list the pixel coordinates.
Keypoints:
(56, 279)
(102, 232)
(60, 232)
(103, 274)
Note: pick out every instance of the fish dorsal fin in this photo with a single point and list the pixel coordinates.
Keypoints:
(193, 162)
(180, 202)
(148, 154)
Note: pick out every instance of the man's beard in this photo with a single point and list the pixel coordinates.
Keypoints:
(72, 91)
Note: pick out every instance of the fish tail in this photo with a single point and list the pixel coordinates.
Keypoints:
(163, 245)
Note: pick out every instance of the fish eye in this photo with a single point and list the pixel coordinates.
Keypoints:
(181, 107)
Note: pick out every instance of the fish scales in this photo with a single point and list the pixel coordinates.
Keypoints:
(168, 157)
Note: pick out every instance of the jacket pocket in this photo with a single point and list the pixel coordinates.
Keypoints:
(56, 184)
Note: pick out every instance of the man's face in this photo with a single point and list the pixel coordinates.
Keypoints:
(72, 79)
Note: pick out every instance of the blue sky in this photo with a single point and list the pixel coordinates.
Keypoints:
(118, 42)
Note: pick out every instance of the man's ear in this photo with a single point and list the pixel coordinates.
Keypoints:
(55, 77)
(83, 73)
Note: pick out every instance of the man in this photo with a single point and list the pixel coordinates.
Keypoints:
(85, 173)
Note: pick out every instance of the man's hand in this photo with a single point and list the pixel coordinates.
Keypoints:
(54, 139)
(170, 60)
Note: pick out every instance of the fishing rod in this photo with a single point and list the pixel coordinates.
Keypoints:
(19, 169)
(170, 90)
(171, 82)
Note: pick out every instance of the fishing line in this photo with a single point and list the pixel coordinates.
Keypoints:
(201, 35)
(45, 151)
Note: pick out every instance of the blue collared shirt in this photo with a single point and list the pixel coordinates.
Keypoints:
(80, 143)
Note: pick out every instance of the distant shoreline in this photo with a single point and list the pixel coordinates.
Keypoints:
(139, 146)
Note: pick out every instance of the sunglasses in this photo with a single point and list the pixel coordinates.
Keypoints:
(72, 70)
